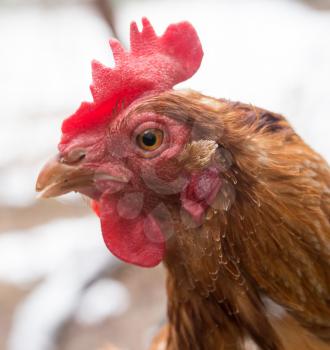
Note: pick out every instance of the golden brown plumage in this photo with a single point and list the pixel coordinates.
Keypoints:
(265, 240)
(248, 267)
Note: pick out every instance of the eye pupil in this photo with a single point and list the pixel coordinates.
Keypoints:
(149, 138)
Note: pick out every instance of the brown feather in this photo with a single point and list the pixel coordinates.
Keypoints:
(267, 234)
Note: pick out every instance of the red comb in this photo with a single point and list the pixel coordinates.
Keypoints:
(153, 64)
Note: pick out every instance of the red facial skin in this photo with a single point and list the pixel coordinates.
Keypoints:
(129, 228)
(129, 184)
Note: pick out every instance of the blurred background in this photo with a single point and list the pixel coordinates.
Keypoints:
(60, 289)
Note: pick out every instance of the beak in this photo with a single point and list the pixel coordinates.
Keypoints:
(57, 178)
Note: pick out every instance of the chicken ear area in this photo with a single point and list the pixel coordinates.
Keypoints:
(131, 235)
(200, 192)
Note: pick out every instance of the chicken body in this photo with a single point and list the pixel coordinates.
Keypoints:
(227, 195)
(247, 232)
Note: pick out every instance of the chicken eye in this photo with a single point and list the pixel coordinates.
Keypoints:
(150, 139)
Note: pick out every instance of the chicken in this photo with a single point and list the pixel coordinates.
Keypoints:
(226, 194)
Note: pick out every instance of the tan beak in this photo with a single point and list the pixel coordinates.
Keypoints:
(57, 178)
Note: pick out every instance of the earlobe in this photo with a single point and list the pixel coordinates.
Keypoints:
(199, 193)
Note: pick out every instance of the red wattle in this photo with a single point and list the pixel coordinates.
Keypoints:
(137, 241)
(95, 207)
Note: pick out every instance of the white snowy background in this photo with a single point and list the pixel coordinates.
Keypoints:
(272, 53)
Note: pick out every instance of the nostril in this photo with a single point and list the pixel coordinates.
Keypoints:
(75, 156)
